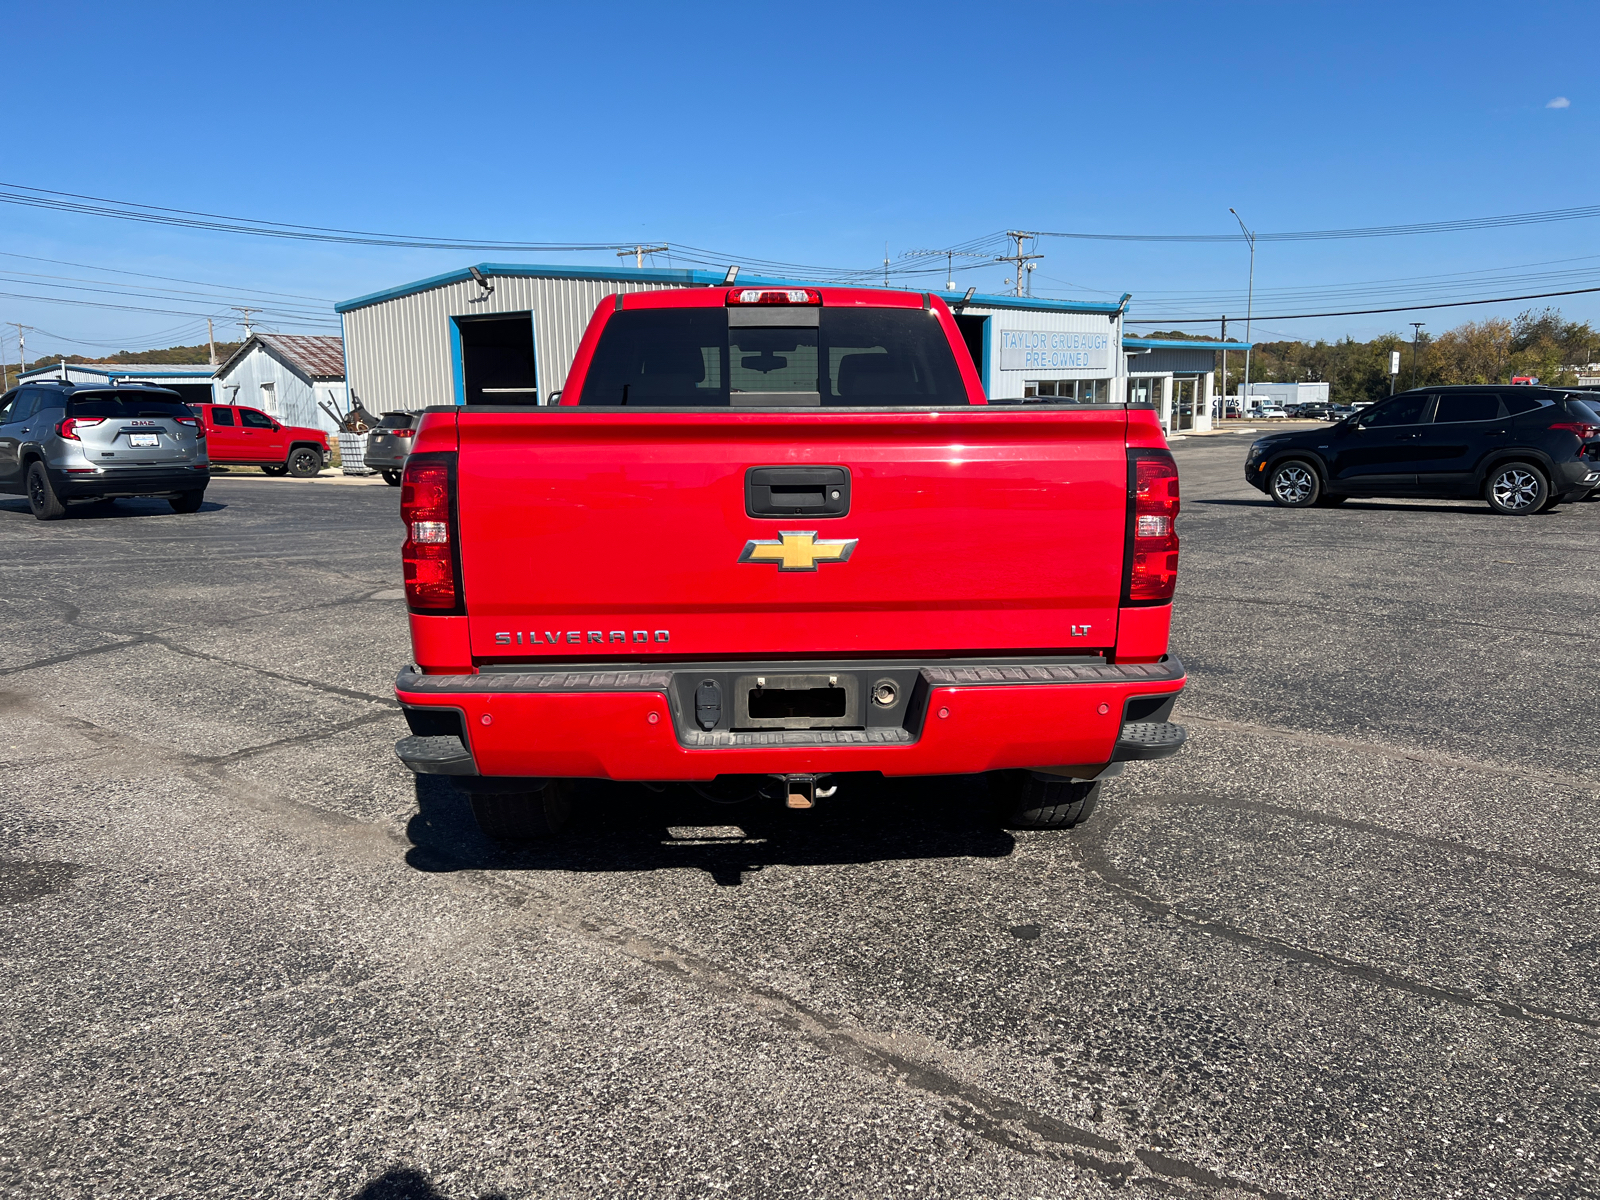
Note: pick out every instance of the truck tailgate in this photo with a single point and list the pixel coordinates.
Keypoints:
(596, 535)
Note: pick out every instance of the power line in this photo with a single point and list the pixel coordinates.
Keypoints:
(1362, 312)
(138, 308)
(1368, 231)
(128, 210)
(165, 278)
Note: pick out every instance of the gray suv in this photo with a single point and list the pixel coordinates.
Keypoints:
(61, 444)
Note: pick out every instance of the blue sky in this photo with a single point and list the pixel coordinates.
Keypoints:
(811, 134)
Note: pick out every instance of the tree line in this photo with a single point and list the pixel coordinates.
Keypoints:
(1538, 343)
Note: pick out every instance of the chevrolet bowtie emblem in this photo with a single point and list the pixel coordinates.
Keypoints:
(797, 550)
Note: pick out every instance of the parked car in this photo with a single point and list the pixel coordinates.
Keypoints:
(1315, 410)
(1522, 449)
(1338, 412)
(1270, 412)
(389, 445)
(248, 437)
(62, 444)
(624, 586)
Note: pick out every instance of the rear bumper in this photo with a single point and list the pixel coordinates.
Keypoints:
(128, 481)
(386, 461)
(961, 719)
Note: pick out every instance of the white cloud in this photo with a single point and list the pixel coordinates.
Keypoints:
(1559, 102)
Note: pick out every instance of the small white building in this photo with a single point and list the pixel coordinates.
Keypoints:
(288, 376)
(1282, 395)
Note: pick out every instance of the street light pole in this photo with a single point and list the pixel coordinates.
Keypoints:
(1250, 306)
(1416, 338)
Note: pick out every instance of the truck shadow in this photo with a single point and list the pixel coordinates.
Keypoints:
(627, 827)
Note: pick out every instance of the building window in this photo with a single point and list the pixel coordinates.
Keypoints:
(1070, 391)
(269, 399)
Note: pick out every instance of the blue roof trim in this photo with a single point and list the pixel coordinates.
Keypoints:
(1034, 304)
(1165, 344)
(688, 278)
(86, 369)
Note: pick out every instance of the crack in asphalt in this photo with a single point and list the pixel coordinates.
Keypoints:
(1094, 858)
(995, 1118)
(1313, 817)
(1390, 752)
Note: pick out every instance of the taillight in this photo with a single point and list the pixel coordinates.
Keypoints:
(193, 423)
(774, 296)
(1585, 432)
(69, 427)
(427, 506)
(403, 432)
(1153, 545)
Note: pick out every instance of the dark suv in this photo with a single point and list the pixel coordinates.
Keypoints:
(1523, 449)
(61, 444)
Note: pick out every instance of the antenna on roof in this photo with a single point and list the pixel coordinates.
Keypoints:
(733, 273)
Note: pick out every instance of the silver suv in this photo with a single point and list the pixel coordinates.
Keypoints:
(61, 444)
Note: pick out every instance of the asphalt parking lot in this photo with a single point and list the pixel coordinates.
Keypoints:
(1344, 945)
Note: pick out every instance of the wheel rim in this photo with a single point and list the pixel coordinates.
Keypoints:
(36, 491)
(1293, 485)
(302, 460)
(1516, 489)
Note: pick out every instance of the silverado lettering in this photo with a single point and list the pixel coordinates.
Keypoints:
(996, 599)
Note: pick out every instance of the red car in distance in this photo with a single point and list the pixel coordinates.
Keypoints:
(248, 437)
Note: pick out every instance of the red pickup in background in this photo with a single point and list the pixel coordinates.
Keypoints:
(248, 437)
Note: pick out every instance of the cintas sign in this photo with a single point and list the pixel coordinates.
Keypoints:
(1051, 350)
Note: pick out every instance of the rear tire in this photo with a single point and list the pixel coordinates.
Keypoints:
(274, 469)
(304, 462)
(188, 502)
(42, 498)
(392, 478)
(1517, 489)
(1024, 801)
(524, 816)
(1294, 484)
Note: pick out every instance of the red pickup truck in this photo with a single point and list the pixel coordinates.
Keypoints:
(248, 437)
(771, 539)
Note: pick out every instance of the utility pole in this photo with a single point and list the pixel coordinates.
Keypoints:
(639, 252)
(1249, 311)
(1222, 404)
(245, 312)
(1017, 256)
(1416, 338)
(211, 343)
(886, 264)
(22, 348)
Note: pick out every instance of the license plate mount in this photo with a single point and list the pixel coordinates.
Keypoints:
(829, 700)
(144, 439)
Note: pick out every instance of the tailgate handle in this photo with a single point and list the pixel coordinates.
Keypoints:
(797, 491)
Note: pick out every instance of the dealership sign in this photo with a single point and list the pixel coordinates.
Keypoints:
(1052, 350)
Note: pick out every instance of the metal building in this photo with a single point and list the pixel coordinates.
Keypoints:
(507, 334)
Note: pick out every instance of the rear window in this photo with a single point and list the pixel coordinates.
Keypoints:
(1589, 409)
(126, 408)
(850, 357)
(396, 421)
(1518, 404)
